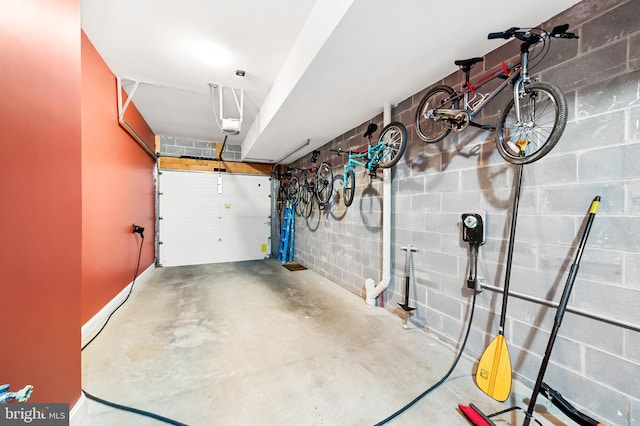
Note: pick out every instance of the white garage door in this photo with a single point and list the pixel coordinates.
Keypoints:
(211, 218)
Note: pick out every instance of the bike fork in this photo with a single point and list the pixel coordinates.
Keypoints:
(516, 98)
(524, 78)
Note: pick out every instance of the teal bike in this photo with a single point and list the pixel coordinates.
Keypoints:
(384, 154)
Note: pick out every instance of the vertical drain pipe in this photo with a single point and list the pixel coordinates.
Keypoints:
(373, 290)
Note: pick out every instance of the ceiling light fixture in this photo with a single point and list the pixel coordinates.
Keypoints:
(210, 54)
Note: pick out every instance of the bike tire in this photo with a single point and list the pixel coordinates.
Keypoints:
(394, 137)
(281, 200)
(305, 202)
(292, 190)
(431, 131)
(544, 107)
(349, 187)
(324, 183)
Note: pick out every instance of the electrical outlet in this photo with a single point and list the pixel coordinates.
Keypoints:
(138, 229)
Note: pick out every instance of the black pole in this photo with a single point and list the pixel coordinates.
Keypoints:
(562, 306)
(224, 143)
(512, 234)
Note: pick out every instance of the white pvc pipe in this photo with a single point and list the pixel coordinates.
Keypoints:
(373, 290)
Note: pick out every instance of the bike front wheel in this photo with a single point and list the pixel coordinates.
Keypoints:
(394, 138)
(429, 129)
(543, 118)
(349, 187)
(292, 190)
(324, 183)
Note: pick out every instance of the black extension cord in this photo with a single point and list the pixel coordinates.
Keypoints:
(135, 275)
(133, 410)
(445, 377)
(140, 231)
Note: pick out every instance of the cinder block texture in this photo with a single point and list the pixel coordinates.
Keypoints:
(172, 146)
(595, 362)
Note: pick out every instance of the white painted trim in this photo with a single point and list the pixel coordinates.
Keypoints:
(79, 411)
(94, 323)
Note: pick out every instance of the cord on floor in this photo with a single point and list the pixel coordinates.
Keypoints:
(133, 410)
(113, 404)
(445, 377)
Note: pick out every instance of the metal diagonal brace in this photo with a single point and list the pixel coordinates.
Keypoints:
(122, 108)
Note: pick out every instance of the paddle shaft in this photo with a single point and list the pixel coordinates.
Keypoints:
(493, 375)
(562, 306)
(512, 233)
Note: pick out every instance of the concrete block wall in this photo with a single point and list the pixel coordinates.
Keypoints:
(177, 147)
(595, 363)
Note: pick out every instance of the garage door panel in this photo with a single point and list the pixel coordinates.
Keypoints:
(247, 229)
(200, 225)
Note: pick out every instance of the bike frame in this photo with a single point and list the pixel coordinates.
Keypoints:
(305, 173)
(372, 155)
(517, 74)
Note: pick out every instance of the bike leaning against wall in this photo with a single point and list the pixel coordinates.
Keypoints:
(531, 122)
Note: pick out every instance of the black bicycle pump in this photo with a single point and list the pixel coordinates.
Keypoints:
(407, 280)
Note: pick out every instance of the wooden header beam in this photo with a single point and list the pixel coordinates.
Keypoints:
(175, 163)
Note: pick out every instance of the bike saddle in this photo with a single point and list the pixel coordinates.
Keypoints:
(468, 63)
(372, 127)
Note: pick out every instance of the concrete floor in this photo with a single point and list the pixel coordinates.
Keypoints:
(252, 343)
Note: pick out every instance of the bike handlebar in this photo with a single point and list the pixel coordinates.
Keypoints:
(503, 34)
(525, 35)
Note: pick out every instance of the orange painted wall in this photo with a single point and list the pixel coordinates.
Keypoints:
(40, 189)
(118, 188)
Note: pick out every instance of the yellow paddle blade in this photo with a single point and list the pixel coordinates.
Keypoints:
(494, 370)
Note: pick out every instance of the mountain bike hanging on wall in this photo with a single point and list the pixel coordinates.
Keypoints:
(316, 182)
(384, 154)
(529, 125)
(288, 188)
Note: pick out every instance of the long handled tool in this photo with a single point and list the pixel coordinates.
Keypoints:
(562, 306)
(494, 369)
(408, 310)
(478, 418)
(407, 278)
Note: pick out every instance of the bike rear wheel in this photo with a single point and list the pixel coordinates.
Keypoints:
(349, 187)
(324, 183)
(430, 130)
(543, 118)
(394, 138)
(305, 202)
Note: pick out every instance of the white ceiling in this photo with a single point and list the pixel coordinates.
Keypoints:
(314, 68)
